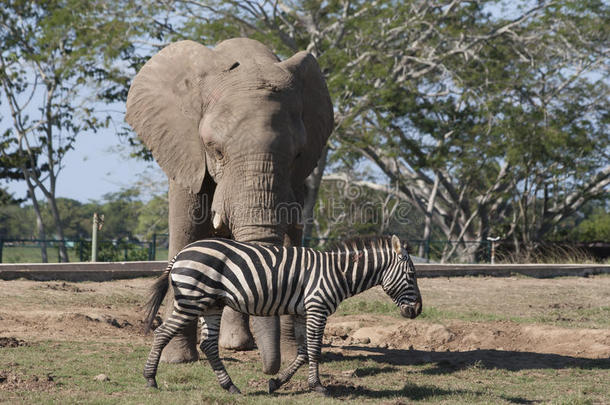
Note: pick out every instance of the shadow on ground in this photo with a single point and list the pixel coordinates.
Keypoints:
(449, 362)
(442, 363)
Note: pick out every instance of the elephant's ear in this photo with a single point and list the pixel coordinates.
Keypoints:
(165, 106)
(318, 116)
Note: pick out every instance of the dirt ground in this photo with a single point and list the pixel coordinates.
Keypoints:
(473, 314)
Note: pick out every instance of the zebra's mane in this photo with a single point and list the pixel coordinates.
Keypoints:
(352, 245)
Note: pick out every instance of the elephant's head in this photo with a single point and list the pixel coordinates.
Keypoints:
(254, 124)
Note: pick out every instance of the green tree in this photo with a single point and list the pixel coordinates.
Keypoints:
(57, 57)
(17, 222)
(472, 112)
(484, 115)
(121, 211)
(153, 217)
(75, 217)
(594, 228)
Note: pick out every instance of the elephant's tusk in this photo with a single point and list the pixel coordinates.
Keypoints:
(217, 221)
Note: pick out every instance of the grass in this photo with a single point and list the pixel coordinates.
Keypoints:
(355, 373)
(556, 315)
(72, 367)
(31, 254)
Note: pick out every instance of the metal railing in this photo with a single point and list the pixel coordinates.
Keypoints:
(29, 250)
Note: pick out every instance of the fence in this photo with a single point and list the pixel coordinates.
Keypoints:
(29, 251)
(499, 251)
(432, 250)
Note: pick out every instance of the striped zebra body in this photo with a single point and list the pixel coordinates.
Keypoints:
(258, 280)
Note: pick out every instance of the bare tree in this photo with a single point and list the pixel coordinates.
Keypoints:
(432, 93)
(53, 63)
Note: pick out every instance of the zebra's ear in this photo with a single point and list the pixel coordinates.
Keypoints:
(396, 244)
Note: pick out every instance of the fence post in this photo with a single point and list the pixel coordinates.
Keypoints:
(153, 247)
(1, 246)
(427, 250)
(491, 246)
(98, 221)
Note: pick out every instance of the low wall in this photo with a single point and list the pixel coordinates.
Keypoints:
(103, 271)
(81, 271)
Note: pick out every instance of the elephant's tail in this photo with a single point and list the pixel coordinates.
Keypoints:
(158, 292)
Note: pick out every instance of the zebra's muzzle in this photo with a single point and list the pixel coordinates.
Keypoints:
(411, 310)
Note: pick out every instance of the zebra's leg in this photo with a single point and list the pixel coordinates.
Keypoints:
(209, 345)
(163, 334)
(316, 322)
(300, 359)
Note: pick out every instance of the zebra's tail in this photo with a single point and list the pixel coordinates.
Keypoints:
(158, 292)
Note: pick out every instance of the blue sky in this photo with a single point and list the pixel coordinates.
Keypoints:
(98, 165)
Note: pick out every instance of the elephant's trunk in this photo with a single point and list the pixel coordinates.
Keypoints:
(259, 234)
(259, 208)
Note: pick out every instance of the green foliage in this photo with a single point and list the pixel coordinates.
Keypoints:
(595, 227)
(153, 217)
(57, 58)
(118, 251)
(351, 209)
(17, 222)
(502, 105)
(7, 198)
(126, 217)
(121, 210)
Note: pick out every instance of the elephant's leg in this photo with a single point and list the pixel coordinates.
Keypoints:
(235, 331)
(209, 346)
(188, 221)
(288, 337)
(299, 360)
(174, 324)
(267, 332)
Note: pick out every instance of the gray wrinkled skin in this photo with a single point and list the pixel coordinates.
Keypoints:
(237, 132)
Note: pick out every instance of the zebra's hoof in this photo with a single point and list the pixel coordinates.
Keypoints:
(151, 383)
(274, 384)
(234, 390)
(320, 389)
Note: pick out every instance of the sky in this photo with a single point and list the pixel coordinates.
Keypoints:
(98, 165)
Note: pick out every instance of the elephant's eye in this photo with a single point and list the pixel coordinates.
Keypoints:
(218, 154)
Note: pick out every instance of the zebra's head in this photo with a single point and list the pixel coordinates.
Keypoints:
(400, 281)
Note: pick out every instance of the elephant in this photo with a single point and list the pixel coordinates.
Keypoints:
(236, 131)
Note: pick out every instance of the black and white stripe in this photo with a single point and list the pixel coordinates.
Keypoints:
(259, 280)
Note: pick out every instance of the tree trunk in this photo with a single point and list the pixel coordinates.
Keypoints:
(189, 220)
(428, 220)
(63, 253)
(312, 186)
(39, 224)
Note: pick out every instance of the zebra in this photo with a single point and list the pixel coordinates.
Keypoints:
(262, 280)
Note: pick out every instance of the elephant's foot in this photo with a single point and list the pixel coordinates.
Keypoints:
(151, 382)
(234, 331)
(288, 338)
(319, 388)
(267, 332)
(274, 384)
